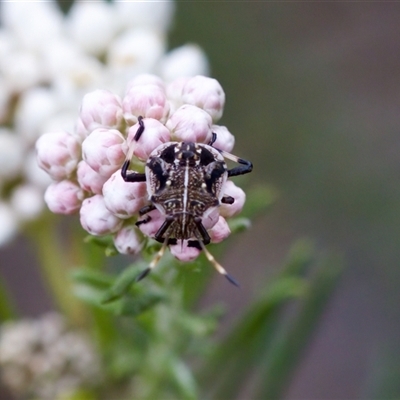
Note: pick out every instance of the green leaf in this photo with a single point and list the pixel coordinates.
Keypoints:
(258, 200)
(290, 341)
(7, 308)
(244, 351)
(91, 277)
(122, 284)
(239, 224)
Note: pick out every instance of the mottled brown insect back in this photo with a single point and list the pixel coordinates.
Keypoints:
(185, 182)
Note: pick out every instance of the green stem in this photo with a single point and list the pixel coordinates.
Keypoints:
(54, 264)
(7, 308)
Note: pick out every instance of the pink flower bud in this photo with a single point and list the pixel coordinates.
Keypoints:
(190, 124)
(124, 199)
(154, 135)
(149, 101)
(58, 154)
(104, 150)
(229, 210)
(101, 109)
(90, 180)
(225, 140)
(151, 227)
(205, 93)
(127, 241)
(182, 252)
(64, 197)
(220, 231)
(96, 218)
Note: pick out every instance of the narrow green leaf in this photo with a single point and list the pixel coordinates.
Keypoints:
(122, 284)
(243, 349)
(7, 308)
(91, 277)
(289, 342)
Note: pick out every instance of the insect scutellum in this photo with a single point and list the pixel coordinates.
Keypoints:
(185, 183)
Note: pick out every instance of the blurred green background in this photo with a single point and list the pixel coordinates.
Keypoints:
(313, 96)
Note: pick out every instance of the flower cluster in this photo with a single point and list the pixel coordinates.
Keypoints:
(86, 164)
(44, 359)
(49, 60)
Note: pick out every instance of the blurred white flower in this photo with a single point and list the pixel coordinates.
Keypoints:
(44, 359)
(49, 60)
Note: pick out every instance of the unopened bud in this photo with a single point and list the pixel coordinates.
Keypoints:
(89, 179)
(64, 197)
(101, 109)
(104, 150)
(96, 218)
(127, 241)
(190, 124)
(230, 210)
(124, 199)
(205, 93)
(182, 252)
(58, 154)
(154, 135)
(148, 101)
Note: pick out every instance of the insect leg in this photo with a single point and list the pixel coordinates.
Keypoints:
(133, 176)
(165, 241)
(216, 265)
(244, 168)
(154, 262)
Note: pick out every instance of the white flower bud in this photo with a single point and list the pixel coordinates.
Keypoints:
(149, 101)
(205, 93)
(153, 15)
(32, 22)
(9, 224)
(182, 252)
(101, 109)
(96, 218)
(88, 179)
(230, 210)
(104, 150)
(190, 124)
(134, 52)
(185, 61)
(127, 241)
(27, 202)
(64, 197)
(21, 70)
(154, 135)
(58, 154)
(225, 140)
(34, 108)
(220, 231)
(11, 154)
(92, 25)
(33, 173)
(124, 199)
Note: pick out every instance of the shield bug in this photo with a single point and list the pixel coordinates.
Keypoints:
(185, 182)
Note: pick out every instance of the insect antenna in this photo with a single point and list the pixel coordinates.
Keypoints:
(216, 265)
(154, 262)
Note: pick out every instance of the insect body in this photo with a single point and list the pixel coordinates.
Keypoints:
(185, 183)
